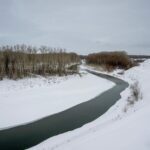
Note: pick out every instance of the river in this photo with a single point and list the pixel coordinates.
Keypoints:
(31, 134)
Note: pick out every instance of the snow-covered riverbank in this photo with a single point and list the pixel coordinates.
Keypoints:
(117, 129)
(28, 99)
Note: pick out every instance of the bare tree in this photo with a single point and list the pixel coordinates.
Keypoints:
(21, 60)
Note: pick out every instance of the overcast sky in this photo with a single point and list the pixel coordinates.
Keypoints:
(83, 26)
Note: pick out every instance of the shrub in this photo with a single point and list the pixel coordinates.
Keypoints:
(110, 60)
(135, 92)
(135, 96)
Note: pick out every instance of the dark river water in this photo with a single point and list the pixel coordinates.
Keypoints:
(31, 134)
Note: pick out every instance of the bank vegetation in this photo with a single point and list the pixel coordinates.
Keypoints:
(110, 60)
(21, 61)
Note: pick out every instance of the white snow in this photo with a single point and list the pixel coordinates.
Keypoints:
(116, 129)
(30, 99)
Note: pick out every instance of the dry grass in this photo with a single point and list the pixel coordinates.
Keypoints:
(135, 96)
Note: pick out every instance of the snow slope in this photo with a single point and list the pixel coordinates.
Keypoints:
(117, 129)
(30, 99)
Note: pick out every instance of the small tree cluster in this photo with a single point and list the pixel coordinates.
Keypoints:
(20, 60)
(110, 60)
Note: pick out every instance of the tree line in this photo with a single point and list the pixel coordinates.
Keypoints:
(110, 60)
(21, 60)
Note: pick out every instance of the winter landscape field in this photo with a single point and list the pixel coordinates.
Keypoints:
(74, 75)
(124, 126)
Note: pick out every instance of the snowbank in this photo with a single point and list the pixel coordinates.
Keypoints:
(27, 100)
(116, 129)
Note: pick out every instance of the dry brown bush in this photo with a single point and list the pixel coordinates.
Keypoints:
(110, 60)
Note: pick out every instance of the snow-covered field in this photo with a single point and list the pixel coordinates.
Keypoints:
(117, 129)
(29, 99)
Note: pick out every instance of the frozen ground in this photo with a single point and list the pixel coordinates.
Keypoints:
(29, 99)
(117, 129)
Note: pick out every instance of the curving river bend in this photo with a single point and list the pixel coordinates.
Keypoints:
(26, 136)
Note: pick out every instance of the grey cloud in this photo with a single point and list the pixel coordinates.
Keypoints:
(81, 25)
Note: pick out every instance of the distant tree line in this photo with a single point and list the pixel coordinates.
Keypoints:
(110, 60)
(21, 60)
(140, 56)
